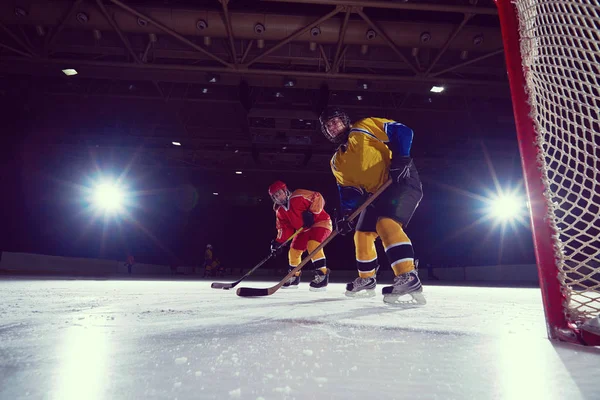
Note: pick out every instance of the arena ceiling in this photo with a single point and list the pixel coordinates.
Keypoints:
(239, 84)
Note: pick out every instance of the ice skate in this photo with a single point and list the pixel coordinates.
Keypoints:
(362, 287)
(319, 284)
(405, 291)
(292, 283)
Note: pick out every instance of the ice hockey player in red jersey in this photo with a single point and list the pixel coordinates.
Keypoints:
(371, 151)
(301, 209)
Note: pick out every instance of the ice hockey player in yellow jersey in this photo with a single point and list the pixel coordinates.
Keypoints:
(371, 151)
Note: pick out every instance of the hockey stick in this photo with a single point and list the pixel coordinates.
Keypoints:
(227, 286)
(251, 292)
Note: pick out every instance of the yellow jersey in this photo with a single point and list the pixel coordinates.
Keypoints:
(361, 165)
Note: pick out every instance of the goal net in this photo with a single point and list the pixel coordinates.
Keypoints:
(552, 50)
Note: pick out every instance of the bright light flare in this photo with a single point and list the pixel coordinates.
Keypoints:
(507, 207)
(108, 197)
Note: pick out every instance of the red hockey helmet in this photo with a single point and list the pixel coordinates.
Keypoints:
(275, 186)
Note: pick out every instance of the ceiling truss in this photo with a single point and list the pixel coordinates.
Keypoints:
(263, 66)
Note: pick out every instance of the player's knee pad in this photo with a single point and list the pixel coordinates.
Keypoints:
(364, 242)
(294, 256)
(390, 231)
(312, 245)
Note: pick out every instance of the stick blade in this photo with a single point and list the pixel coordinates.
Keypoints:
(252, 292)
(221, 285)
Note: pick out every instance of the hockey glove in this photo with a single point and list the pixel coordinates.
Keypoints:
(344, 226)
(276, 247)
(308, 219)
(400, 169)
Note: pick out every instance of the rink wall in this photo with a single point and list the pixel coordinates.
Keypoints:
(525, 273)
(44, 264)
(25, 263)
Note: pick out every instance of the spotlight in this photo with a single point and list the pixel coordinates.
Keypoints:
(437, 89)
(108, 197)
(289, 82)
(506, 207)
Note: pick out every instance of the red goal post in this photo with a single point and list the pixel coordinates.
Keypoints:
(552, 51)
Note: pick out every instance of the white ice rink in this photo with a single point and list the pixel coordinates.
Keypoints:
(89, 340)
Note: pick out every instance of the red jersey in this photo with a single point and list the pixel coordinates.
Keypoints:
(289, 220)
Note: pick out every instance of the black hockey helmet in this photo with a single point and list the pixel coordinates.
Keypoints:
(333, 112)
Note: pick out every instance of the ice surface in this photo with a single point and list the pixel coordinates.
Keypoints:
(86, 339)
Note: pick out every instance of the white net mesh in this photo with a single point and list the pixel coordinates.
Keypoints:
(560, 47)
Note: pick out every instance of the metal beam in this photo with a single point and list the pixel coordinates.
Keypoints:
(264, 72)
(118, 31)
(7, 47)
(293, 36)
(342, 55)
(247, 51)
(258, 112)
(17, 39)
(325, 59)
(397, 6)
(126, 42)
(338, 49)
(171, 32)
(440, 53)
(143, 98)
(275, 60)
(224, 3)
(159, 90)
(280, 25)
(415, 53)
(146, 51)
(387, 39)
(27, 41)
(483, 57)
(50, 38)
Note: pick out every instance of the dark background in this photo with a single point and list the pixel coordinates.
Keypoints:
(59, 134)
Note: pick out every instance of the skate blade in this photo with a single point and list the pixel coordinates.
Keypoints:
(414, 299)
(290, 287)
(361, 294)
(322, 289)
